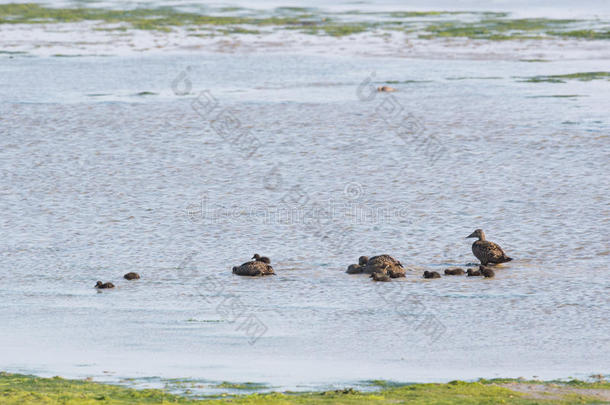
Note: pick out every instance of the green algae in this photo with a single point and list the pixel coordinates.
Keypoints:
(582, 76)
(474, 78)
(533, 60)
(29, 390)
(160, 19)
(247, 386)
(582, 34)
(493, 26)
(557, 96)
(501, 29)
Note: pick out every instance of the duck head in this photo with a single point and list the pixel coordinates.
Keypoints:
(98, 284)
(363, 260)
(256, 256)
(478, 233)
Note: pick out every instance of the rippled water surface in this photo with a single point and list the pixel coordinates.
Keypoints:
(107, 167)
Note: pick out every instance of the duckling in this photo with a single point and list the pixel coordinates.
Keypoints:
(380, 276)
(431, 274)
(486, 251)
(455, 271)
(99, 284)
(357, 268)
(486, 271)
(396, 272)
(131, 276)
(386, 89)
(259, 258)
(354, 269)
(473, 273)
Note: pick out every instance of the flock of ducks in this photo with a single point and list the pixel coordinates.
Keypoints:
(380, 268)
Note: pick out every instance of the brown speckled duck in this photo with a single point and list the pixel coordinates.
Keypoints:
(254, 268)
(383, 264)
(487, 252)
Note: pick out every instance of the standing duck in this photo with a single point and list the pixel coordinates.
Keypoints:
(487, 252)
(255, 268)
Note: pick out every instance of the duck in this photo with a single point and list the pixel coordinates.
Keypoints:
(358, 268)
(101, 285)
(486, 251)
(259, 258)
(255, 268)
(384, 263)
(455, 271)
(431, 274)
(386, 89)
(131, 276)
(473, 273)
(381, 276)
(486, 272)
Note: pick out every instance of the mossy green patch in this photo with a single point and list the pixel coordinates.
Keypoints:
(425, 24)
(533, 60)
(241, 386)
(146, 93)
(501, 29)
(557, 96)
(584, 77)
(28, 390)
(474, 78)
(582, 34)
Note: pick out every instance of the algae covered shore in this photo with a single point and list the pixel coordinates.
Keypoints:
(235, 20)
(25, 390)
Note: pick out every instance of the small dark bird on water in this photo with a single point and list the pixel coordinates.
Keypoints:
(131, 276)
(358, 268)
(381, 277)
(472, 273)
(487, 252)
(260, 258)
(456, 271)
(486, 271)
(431, 274)
(99, 284)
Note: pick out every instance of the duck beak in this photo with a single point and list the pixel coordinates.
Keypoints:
(472, 235)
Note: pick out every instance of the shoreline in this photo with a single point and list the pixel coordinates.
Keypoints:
(27, 389)
(35, 30)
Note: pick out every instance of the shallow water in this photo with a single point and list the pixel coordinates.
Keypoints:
(99, 179)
